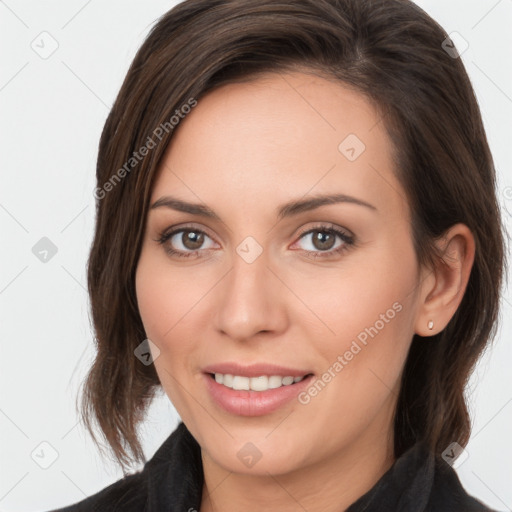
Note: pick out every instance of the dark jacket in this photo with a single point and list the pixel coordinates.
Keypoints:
(172, 480)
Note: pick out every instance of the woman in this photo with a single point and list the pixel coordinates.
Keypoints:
(298, 239)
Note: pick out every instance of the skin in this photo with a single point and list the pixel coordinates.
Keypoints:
(244, 150)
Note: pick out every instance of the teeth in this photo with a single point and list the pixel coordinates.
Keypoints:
(261, 383)
(275, 382)
(240, 382)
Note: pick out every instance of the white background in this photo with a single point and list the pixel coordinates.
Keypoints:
(52, 114)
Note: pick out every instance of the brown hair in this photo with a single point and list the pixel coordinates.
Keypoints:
(389, 50)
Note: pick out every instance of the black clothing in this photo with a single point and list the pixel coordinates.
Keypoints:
(172, 481)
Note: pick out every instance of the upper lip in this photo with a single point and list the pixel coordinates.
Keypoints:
(254, 370)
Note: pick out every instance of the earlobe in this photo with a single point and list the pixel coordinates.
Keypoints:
(443, 289)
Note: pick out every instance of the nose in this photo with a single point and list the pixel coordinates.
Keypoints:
(250, 300)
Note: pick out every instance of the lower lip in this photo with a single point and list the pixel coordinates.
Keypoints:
(253, 403)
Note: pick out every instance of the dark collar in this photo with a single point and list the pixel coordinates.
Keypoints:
(417, 482)
(175, 474)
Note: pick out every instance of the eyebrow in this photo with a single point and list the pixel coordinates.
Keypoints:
(286, 210)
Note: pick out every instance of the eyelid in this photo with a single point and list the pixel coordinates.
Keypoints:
(347, 237)
(167, 234)
(190, 226)
(326, 226)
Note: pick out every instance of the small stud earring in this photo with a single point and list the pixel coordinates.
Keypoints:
(431, 325)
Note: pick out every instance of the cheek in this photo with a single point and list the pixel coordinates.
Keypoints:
(163, 303)
(362, 364)
(171, 305)
(369, 308)
(167, 297)
(370, 298)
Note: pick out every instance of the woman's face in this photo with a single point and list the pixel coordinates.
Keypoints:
(272, 281)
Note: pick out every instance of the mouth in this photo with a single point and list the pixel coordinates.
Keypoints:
(254, 390)
(259, 383)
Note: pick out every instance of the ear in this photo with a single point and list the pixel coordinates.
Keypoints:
(443, 287)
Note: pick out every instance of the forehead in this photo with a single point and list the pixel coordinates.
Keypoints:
(279, 137)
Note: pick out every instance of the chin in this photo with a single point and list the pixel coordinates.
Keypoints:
(255, 449)
(249, 460)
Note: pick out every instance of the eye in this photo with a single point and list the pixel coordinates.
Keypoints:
(189, 241)
(184, 242)
(322, 241)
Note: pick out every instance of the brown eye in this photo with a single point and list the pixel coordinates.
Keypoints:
(185, 242)
(323, 240)
(192, 240)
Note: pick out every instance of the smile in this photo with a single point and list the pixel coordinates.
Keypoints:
(260, 383)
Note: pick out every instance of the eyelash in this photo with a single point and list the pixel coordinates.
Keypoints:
(348, 241)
